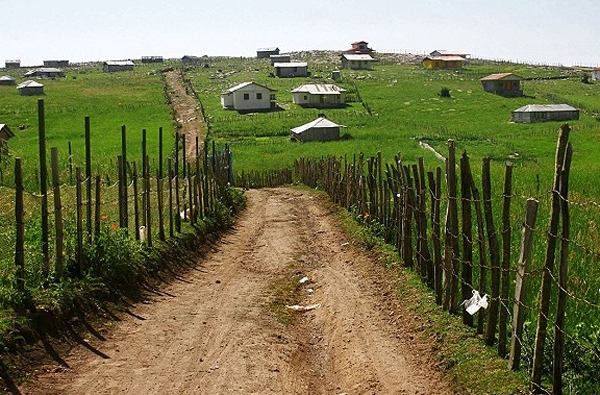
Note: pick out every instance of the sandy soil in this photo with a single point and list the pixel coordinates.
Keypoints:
(212, 332)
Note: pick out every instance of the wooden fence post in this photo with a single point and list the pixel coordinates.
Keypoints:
(124, 183)
(466, 179)
(58, 225)
(452, 256)
(490, 332)
(136, 206)
(482, 254)
(557, 363)
(505, 263)
(88, 177)
(79, 217)
(551, 240)
(521, 286)
(43, 188)
(98, 202)
(436, 231)
(20, 227)
(170, 182)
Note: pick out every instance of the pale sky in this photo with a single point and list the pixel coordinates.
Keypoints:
(541, 31)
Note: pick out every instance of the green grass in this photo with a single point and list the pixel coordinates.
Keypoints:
(134, 99)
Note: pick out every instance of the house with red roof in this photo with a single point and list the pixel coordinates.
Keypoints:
(503, 84)
(360, 47)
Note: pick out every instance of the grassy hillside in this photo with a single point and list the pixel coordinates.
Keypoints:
(134, 99)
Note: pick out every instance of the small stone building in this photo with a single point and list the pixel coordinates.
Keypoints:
(503, 84)
(360, 47)
(265, 53)
(280, 58)
(30, 88)
(45, 72)
(319, 95)
(292, 69)
(357, 61)
(113, 66)
(152, 59)
(321, 129)
(12, 64)
(56, 63)
(544, 112)
(7, 80)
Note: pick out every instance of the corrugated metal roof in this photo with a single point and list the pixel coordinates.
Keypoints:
(267, 49)
(446, 58)
(119, 63)
(364, 57)
(29, 84)
(245, 84)
(319, 89)
(443, 52)
(319, 122)
(359, 42)
(291, 64)
(6, 78)
(545, 108)
(500, 76)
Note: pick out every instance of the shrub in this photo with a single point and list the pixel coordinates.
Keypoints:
(445, 92)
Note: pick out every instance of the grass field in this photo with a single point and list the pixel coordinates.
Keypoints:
(134, 99)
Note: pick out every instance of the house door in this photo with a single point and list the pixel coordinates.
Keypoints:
(508, 85)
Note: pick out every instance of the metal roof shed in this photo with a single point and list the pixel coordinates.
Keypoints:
(7, 80)
(321, 129)
(544, 112)
(30, 88)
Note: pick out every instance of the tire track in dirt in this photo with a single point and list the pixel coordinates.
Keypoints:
(212, 332)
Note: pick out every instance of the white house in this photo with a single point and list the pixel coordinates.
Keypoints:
(357, 61)
(292, 69)
(596, 74)
(319, 95)
(248, 96)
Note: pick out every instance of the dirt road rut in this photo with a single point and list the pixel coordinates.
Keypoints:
(212, 332)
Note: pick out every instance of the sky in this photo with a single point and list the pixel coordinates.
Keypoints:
(539, 32)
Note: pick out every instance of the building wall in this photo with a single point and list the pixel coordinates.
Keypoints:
(115, 68)
(544, 116)
(319, 134)
(247, 98)
(31, 91)
(440, 64)
(307, 100)
(289, 72)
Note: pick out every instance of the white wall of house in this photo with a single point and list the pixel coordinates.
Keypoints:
(596, 75)
(251, 97)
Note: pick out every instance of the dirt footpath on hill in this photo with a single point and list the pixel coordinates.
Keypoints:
(212, 331)
(187, 112)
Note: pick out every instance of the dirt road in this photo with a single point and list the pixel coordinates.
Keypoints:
(212, 332)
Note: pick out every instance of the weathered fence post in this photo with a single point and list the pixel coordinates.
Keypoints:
(123, 180)
(136, 207)
(20, 227)
(505, 268)
(540, 334)
(58, 225)
(521, 286)
(557, 363)
(490, 332)
(435, 186)
(452, 256)
(88, 177)
(466, 179)
(482, 254)
(43, 188)
(98, 205)
(79, 220)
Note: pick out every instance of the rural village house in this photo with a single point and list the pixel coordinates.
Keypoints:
(443, 62)
(262, 53)
(45, 72)
(56, 63)
(113, 66)
(357, 61)
(319, 95)
(248, 96)
(190, 59)
(152, 59)
(292, 69)
(5, 133)
(281, 58)
(7, 80)
(12, 64)
(30, 88)
(544, 112)
(596, 74)
(503, 84)
(443, 52)
(321, 129)
(360, 47)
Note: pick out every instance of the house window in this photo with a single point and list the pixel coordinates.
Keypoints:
(246, 96)
(258, 96)
(305, 97)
